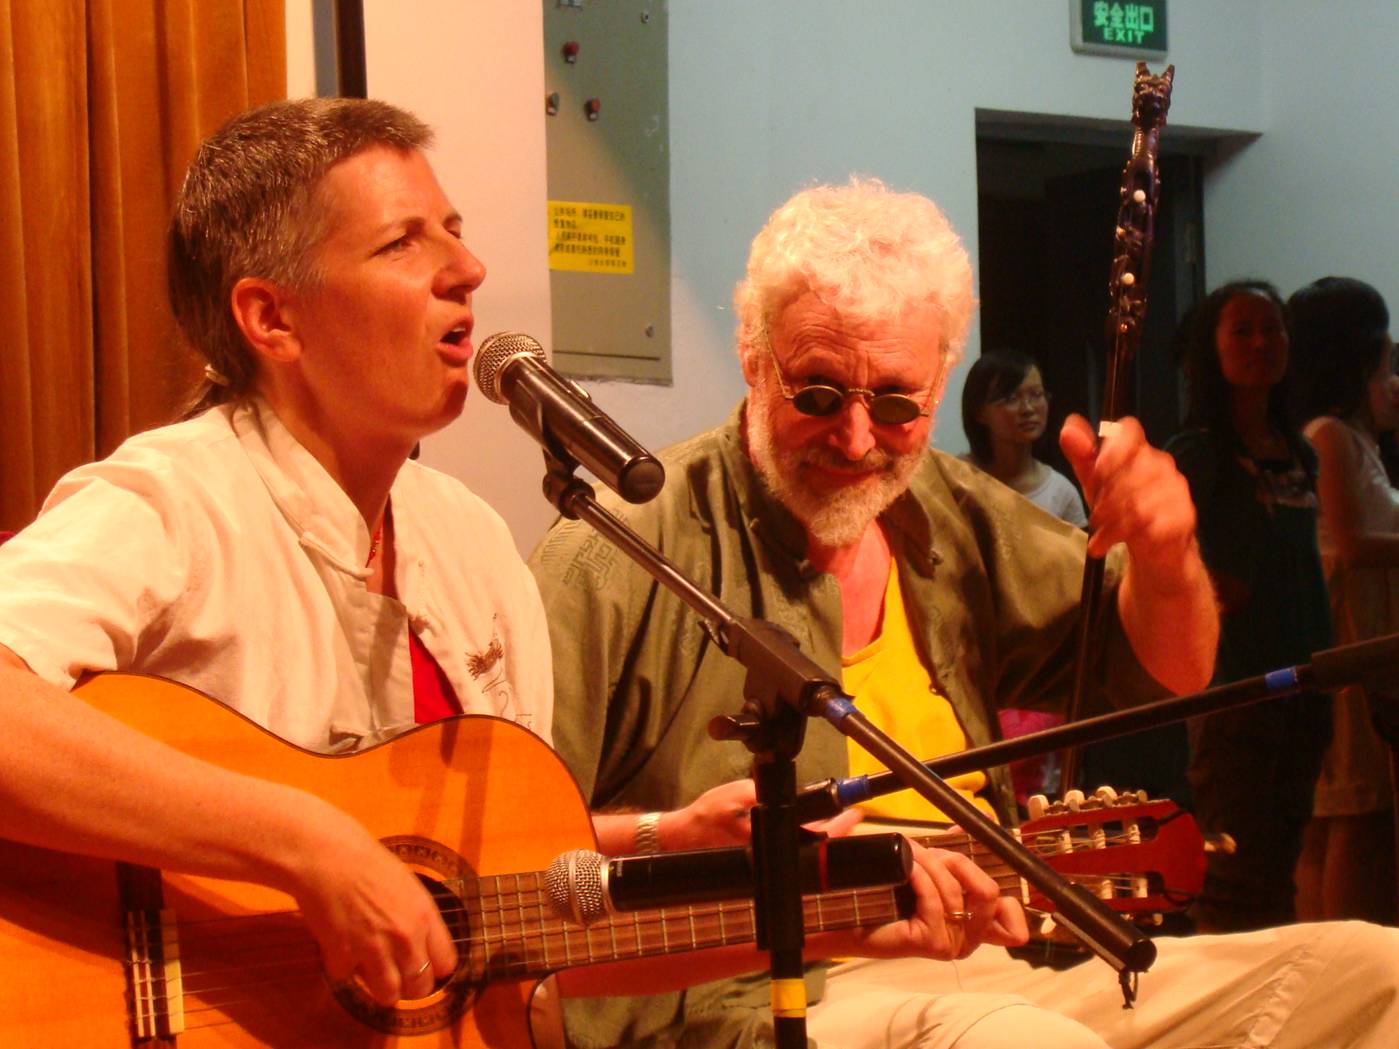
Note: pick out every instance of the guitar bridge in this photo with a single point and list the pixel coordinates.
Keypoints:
(155, 988)
(153, 974)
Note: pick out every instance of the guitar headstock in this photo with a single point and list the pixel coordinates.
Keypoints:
(1140, 857)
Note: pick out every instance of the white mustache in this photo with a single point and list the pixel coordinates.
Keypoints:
(874, 459)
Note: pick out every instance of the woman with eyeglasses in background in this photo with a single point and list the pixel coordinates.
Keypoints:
(1253, 478)
(1005, 409)
(1346, 365)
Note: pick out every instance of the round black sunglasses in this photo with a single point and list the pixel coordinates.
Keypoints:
(821, 399)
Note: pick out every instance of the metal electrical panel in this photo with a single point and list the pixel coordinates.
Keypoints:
(608, 136)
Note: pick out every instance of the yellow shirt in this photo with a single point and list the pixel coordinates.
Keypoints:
(892, 688)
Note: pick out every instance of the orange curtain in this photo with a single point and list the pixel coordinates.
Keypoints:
(102, 104)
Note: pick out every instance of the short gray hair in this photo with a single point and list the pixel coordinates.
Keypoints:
(248, 208)
(864, 249)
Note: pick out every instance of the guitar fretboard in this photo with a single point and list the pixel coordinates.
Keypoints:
(512, 931)
(507, 928)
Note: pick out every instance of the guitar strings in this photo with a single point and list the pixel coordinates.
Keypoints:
(643, 932)
(537, 907)
(693, 927)
(532, 903)
(974, 850)
(306, 968)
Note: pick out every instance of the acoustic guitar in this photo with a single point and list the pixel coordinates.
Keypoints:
(99, 954)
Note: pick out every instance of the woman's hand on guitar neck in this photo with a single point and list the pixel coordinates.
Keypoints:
(370, 915)
(959, 907)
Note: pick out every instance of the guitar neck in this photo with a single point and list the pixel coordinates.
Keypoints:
(515, 933)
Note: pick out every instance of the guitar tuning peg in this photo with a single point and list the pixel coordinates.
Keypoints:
(1073, 800)
(1105, 794)
(1132, 831)
(1142, 797)
(1037, 806)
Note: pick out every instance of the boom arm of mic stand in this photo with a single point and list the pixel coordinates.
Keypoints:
(825, 799)
(1329, 669)
(806, 687)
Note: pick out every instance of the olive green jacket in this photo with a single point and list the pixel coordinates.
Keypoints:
(991, 584)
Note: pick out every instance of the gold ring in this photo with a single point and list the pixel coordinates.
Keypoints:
(958, 916)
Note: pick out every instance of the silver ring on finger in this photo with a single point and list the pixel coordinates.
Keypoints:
(958, 916)
(420, 969)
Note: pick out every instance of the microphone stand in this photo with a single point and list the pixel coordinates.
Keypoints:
(782, 688)
(1329, 669)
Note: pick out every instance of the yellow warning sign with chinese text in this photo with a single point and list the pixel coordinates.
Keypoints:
(590, 238)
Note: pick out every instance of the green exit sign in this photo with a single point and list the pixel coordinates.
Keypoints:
(1113, 27)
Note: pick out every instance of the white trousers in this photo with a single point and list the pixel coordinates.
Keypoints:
(1318, 986)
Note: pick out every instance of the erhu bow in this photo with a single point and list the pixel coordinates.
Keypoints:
(1131, 267)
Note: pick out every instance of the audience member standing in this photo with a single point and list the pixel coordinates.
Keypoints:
(1253, 480)
(1005, 409)
(1345, 359)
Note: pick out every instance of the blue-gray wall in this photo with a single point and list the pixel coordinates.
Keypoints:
(766, 95)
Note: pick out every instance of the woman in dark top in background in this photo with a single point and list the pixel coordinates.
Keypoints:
(1253, 479)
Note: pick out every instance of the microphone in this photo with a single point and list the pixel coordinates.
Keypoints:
(511, 369)
(584, 886)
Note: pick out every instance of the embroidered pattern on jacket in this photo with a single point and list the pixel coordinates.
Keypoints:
(479, 663)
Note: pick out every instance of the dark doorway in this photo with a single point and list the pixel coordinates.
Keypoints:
(1047, 206)
(1046, 210)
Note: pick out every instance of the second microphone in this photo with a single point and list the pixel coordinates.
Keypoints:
(584, 886)
(511, 369)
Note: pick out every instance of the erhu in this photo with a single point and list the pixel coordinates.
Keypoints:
(1127, 284)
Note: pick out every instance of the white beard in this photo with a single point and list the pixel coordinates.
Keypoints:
(833, 518)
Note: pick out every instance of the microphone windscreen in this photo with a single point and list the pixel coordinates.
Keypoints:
(495, 351)
(574, 886)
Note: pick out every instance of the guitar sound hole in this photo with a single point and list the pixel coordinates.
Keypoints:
(437, 867)
(454, 916)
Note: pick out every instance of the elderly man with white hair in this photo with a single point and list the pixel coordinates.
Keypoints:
(937, 594)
